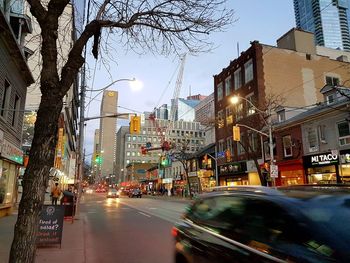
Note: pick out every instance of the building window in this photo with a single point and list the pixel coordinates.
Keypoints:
(229, 115)
(228, 86)
(220, 91)
(331, 98)
(248, 71)
(250, 105)
(221, 119)
(312, 140)
(240, 149)
(281, 115)
(238, 78)
(221, 145)
(16, 108)
(239, 111)
(332, 81)
(229, 143)
(321, 133)
(287, 146)
(344, 133)
(253, 141)
(5, 99)
(128, 138)
(127, 153)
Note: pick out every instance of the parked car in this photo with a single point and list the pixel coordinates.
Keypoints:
(259, 224)
(112, 193)
(135, 193)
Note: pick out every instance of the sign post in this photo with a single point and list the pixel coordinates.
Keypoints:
(50, 225)
(274, 171)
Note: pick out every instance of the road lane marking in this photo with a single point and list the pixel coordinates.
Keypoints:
(144, 214)
(152, 208)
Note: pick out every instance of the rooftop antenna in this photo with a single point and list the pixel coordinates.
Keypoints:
(237, 49)
(190, 91)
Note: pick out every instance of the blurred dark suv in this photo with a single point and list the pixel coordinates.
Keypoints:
(135, 193)
(259, 224)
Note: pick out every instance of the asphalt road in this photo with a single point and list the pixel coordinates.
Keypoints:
(129, 230)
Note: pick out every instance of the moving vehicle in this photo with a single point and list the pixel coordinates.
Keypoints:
(135, 193)
(112, 193)
(260, 224)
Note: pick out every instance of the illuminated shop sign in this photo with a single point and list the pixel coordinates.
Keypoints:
(322, 159)
(11, 152)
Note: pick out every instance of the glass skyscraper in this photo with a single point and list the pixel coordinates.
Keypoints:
(327, 19)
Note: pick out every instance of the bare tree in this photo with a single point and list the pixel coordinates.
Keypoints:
(180, 152)
(161, 26)
(260, 119)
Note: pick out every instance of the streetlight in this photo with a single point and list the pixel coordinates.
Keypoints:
(234, 100)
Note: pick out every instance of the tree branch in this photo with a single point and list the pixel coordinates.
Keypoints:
(37, 10)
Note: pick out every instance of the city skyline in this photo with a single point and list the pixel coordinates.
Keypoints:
(158, 74)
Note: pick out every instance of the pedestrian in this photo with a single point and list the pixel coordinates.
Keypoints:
(55, 194)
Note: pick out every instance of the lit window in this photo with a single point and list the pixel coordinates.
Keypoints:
(287, 146)
(229, 115)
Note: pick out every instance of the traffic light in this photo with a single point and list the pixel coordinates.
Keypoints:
(135, 124)
(205, 159)
(98, 159)
(236, 133)
(143, 150)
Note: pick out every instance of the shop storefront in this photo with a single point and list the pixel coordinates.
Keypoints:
(194, 182)
(206, 179)
(291, 172)
(233, 174)
(10, 162)
(345, 165)
(167, 184)
(322, 168)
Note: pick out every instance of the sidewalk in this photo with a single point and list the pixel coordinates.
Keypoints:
(72, 246)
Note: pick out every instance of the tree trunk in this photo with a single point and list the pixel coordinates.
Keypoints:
(36, 177)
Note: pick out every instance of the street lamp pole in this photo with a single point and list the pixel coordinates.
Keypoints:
(234, 100)
(81, 130)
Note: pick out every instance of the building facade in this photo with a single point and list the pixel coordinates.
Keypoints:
(255, 76)
(327, 19)
(15, 76)
(64, 168)
(314, 147)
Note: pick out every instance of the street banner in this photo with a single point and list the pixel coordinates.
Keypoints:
(50, 225)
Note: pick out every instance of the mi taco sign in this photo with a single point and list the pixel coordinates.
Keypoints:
(323, 159)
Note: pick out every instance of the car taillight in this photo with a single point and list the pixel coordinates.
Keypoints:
(174, 232)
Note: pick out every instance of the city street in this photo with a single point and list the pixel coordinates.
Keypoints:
(113, 230)
(129, 229)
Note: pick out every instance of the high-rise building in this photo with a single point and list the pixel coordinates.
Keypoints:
(162, 112)
(107, 137)
(327, 19)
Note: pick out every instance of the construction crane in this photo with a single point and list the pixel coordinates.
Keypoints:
(165, 144)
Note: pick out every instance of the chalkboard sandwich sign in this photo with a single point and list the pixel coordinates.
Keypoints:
(50, 225)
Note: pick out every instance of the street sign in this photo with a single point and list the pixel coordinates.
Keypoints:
(274, 171)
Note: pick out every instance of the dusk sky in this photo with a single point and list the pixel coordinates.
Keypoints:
(264, 21)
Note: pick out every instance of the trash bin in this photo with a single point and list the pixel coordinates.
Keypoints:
(68, 200)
